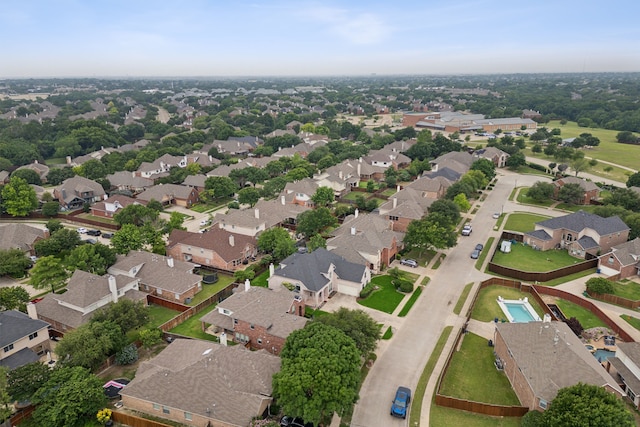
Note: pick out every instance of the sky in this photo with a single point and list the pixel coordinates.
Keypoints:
(239, 38)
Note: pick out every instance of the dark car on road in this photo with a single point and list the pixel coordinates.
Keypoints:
(401, 402)
(288, 421)
(479, 247)
(94, 232)
(475, 254)
(107, 235)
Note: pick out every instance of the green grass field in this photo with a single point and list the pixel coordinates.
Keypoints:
(523, 198)
(192, 327)
(525, 258)
(441, 416)
(587, 319)
(208, 290)
(522, 222)
(386, 298)
(487, 309)
(412, 300)
(627, 289)
(633, 321)
(463, 298)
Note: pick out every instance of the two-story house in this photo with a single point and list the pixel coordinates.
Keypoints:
(23, 338)
(112, 205)
(590, 191)
(74, 192)
(170, 194)
(626, 369)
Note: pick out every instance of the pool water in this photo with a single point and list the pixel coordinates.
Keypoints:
(519, 313)
(602, 354)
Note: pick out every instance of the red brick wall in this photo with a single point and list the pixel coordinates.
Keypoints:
(516, 378)
(401, 224)
(411, 119)
(269, 342)
(169, 295)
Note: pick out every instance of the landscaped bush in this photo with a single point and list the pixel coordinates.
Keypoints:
(598, 285)
(127, 356)
(537, 167)
(367, 290)
(532, 419)
(575, 325)
(403, 286)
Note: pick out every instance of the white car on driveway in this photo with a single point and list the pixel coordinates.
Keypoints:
(82, 230)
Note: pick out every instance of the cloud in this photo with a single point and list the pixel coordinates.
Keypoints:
(353, 27)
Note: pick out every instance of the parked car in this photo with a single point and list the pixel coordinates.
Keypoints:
(204, 223)
(475, 254)
(288, 421)
(82, 230)
(479, 247)
(466, 230)
(94, 232)
(107, 235)
(91, 241)
(496, 215)
(409, 262)
(401, 402)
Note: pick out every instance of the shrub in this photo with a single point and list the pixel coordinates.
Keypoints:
(537, 167)
(575, 325)
(532, 419)
(598, 285)
(403, 286)
(234, 205)
(127, 356)
(366, 291)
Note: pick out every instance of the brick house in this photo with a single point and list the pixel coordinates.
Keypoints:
(21, 236)
(590, 190)
(540, 358)
(23, 338)
(217, 248)
(495, 155)
(580, 233)
(405, 206)
(170, 194)
(259, 317)
(624, 259)
(626, 369)
(111, 206)
(74, 192)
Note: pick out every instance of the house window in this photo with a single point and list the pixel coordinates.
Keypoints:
(225, 311)
(8, 348)
(259, 340)
(165, 410)
(631, 394)
(393, 218)
(610, 260)
(251, 326)
(235, 321)
(33, 335)
(156, 406)
(543, 404)
(297, 288)
(188, 416)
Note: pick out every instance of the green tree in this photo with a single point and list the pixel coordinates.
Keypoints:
(25, 380)
(150, 337)
(14, 298)
(627, 137)
(315, 221)
(633, 222)
(541, 191)
(90, 344)
(54, 225)
(249, 196)
(485, 166)
(128, 238)
(94, 259)
(634, 180)
(5, 398)
(93, 169)
(69, 398)
(50, 209)
(316, 241)
(218, 187)
(48, 271)
(127, 314)
(135, 214)
(357, 325)
(60, 241)
(29, 175)
(323, 196)
(461, 201)
(447, 208)
(176, 221)
(587, 405)
(19, 198)
(13, 262)
(432, 232)
(276, 242)
(320, 372)
(571, 193)
(516, 160)
(56, 176)
(624, 197)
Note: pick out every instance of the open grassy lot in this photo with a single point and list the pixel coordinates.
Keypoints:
(523, 198)
(208, 290)
(473, 376)
(627, 289)
(423, 259)
(386, 298)
(487, 309)
(192, 327)
(523, 222)
(441, 416)
(587, 319)
(525, 258)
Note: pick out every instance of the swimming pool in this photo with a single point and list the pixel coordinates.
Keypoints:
(518, 311)
(602, 354)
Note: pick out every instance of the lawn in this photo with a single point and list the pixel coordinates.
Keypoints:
(423, 259)
(159, 315)
(387, 334)
(525, 258)
(389, 192)
(485, 251)
(412, 300)
(473, 376)
(487, 309)
(523, 222)
(523, 198)
(565, 279)
(208, 290)
(385, 298)
(206, 207)
(354, 194)
(627, 289)
(192, 327)
(261, 279)
(587, 319)
(97, 218)
(633, 321)
(463, 298)
(442, 416)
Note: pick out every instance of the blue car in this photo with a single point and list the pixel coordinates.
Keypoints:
(401, 402)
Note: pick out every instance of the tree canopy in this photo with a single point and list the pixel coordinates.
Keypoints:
(315, 221)
(276, 242)
(18, 197)
(357, 325)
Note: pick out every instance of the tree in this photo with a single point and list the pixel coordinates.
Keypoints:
(19, 198)
(5, 398)
(14, 298)
(357, 325)
(128, 238)
(50, 209)
(127, 314)
(461, 201)
(249, 196)
(432, 232)
(580, 164)
(277, 242)
(315, 221)
(13, 262)
(218, 187)
(541, 191)
(56, 176)
(571, 193)
(485, 166)
(316, 241)
(176, 221)
(90, 344)
(627, 137)
(29, 175)
(135, 214)
(320, 372)
(447, 208)
(150, 337)
(25, 380)
(599, 285)
(633, 222)
(624, 197)
(54, 225)
(587, 405)
(69, 398)
(60, 241)
(323, 196)
(94, 259)
(48, 271)
(516, 160)
(634, 180)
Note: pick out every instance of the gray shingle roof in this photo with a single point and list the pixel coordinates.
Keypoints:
(310, 268)
(587, 242)
(20, 358)
(15, 325)
(19, 236)
(628, 253)
(580, 220)
(539, 234)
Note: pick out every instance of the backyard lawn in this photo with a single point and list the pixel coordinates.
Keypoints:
(159, 315)
(587, 319)
(473, 376)
(525, 258)
(192, 327)
(385, 298)
(261, 279)
(208, 290)
(487, 309)
(523, 222)
(441, 416)
(627, 289)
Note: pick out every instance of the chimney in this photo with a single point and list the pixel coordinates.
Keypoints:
(223, 339)
(353, 231)
(282, 200)
(257, 213)
(35, 161)
(170, 262)
(31, 311)
(247, 285)
(271, 269)
(355, 213)
(231, 240)
(340, 174)
(395, 203)
(113, 288)
(358, 169)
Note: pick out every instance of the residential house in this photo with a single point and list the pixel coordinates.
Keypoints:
(23, 339)
(170, 194)
(200, 383)
(497, 156)
(624, 259)
(159, 275)
(216, 247)
(111, 206)
(204, 160)
(301, 192)
(41, 169)
(405, 206)
(259, 317)
(317, 275)
(401, 146)
(86, 292)
(582, 234)
(21, 236)
(626, 369)
(196, 181)
(590, 191)
(367, 239)
(386, 158)
(458, 161)
(128, 181)
(264, 215)
(74, 192)
(161, 166)
(341, 177)
(540, 358)
(431, 188)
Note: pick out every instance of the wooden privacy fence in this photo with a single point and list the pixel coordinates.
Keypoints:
(133, 421)
(614, 299)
